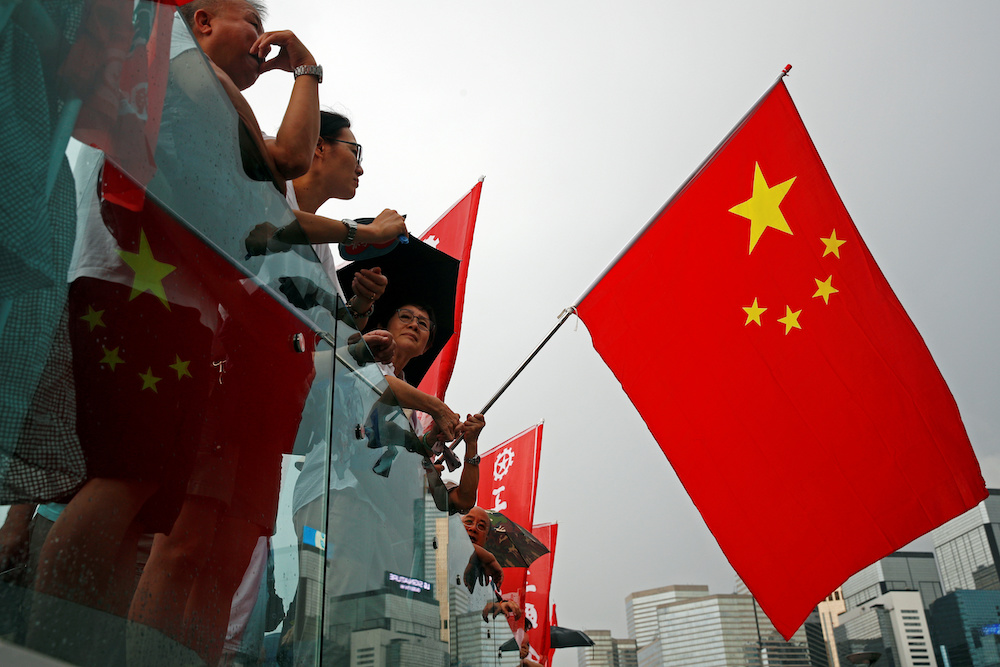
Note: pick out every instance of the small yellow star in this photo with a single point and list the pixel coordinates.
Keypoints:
(111, 358)
(825, 288)
(93, 318)
(790, 319)
(753, 313)
(762, 207)
(149, 380)
(181, 367)
(832, 244)
(149, 273)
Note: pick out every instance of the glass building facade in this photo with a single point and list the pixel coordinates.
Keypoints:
(965, 628)
(199, 461)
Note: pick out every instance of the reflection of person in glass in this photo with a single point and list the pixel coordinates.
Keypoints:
(90, 554)
(483, 566)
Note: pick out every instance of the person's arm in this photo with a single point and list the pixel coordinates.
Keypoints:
(463, 496)
(505, 607)
(312, 228)
(292, 148)
(14, 536)
(410, 397)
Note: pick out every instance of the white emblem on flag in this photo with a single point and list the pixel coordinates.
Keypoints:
(503, 463)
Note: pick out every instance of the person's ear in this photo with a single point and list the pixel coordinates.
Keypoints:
(202, 23)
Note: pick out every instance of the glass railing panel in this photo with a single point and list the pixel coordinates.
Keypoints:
(157, 394)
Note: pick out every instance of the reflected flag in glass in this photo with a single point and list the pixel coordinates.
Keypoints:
(793, 396)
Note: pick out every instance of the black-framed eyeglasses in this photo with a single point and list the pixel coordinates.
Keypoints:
(406, 316)
(357, 147)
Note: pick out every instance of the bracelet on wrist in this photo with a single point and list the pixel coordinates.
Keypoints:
(354, 312)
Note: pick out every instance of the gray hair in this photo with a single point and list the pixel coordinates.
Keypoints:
(187, 11)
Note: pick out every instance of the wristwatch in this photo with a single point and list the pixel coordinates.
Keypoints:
(315, 70)
(352, 230)
(474, 461)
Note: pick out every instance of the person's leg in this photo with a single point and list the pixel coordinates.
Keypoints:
(175, 563)
(207, 614)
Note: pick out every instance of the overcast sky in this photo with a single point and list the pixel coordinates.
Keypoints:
(584, 117)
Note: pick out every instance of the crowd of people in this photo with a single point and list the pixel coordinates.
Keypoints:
(167, 518)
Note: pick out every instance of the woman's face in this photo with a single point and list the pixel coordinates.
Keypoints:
(411, 337)
(341, 170)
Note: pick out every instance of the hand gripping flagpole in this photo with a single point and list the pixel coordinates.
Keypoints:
(563, 316)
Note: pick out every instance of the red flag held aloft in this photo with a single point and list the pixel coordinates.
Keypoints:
(795, 399)
(452, 235)
(508, 476)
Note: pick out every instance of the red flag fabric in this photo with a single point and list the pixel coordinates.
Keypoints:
(452, 235)
(553, 620)
(790, 374)
(508, 477)
(536, 599)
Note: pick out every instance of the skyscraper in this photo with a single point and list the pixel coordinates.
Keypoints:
(640, 609)
(966, 547)
(899, 571)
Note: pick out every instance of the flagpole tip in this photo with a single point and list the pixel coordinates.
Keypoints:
(788, 68)
(483, 177)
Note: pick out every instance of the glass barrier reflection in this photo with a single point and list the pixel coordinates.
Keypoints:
(201, 461)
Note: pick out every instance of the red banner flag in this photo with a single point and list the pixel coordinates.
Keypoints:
(508, 477)
(452, 235)
(790, 371)
(536, 599)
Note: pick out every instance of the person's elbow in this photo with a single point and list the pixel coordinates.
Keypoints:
(463, 501)
(290, 163)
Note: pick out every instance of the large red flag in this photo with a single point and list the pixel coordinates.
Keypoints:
(789, 370)
(452, 235)
(536, 599)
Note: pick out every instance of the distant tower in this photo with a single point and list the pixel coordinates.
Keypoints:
(966, 547)
(640, 609)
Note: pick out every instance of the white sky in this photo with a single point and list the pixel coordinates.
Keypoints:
(584, 117)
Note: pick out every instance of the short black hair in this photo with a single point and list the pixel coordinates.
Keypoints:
(187, 11)
(331, 123)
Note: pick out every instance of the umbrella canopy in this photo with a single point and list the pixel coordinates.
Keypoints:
(558, 638)
(512, 545)
(417, 274)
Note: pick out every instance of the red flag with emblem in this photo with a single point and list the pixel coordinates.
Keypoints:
(508, 477)
(789, 370)
(536, 598)
(452, 235)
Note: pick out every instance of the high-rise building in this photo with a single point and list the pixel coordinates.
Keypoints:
(607, 651)
(893, 624)
(828, 612)
(967, 547)
(899, 571)
(640, 609)
(965, 628)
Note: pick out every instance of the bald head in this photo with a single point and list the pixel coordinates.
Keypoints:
(477, 525)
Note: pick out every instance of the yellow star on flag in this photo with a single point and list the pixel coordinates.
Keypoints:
(825, 288)
(111, 358)
(753, 313)
(181, 367)
(93, 318)
(762, 208)
(149, 380)
(149, 273)
(832, 244)
(790, 319)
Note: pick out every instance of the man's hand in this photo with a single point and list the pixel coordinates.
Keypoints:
(471, 428)
(292, 54)
(505, 607)
(381, 344)
(261, 239)
(387, 226)
(447, 422)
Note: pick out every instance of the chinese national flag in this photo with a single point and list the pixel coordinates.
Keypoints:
(452, 235)
(795, 400)
(536, 600)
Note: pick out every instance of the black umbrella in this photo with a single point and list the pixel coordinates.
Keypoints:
(558, 638)
(417, 273)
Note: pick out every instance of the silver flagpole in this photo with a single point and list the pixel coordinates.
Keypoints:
(572, 310)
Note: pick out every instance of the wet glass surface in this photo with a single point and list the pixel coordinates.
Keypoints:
(200, 462)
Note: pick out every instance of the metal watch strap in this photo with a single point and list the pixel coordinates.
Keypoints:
(352, 230)
(315, 70)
